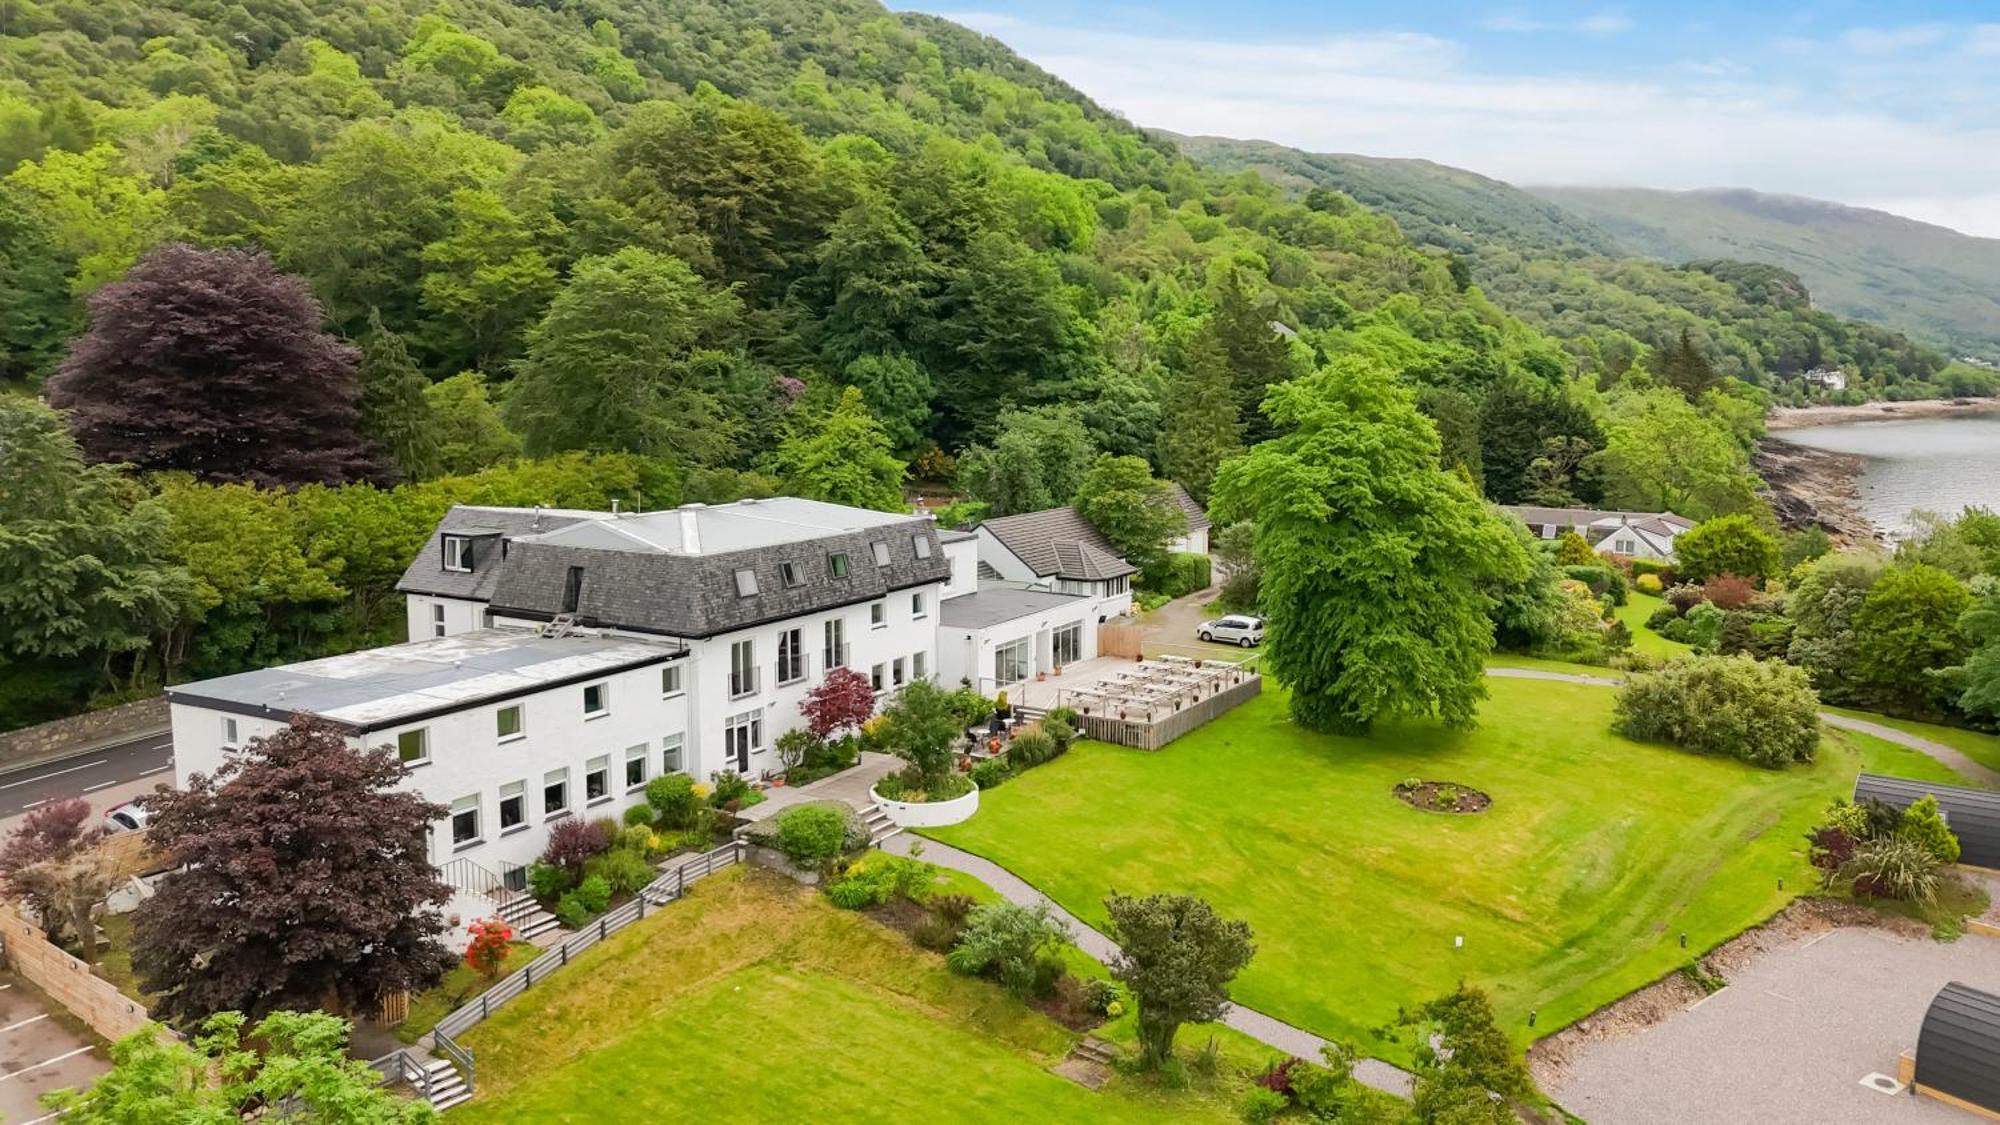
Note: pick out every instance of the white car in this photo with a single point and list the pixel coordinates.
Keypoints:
(128, 817)
(1236, 629)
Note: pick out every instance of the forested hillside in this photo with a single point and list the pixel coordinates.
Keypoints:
(1940, 286)
(314, 272)
(1577, 273)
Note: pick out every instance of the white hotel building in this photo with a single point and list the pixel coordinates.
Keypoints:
(558, 660)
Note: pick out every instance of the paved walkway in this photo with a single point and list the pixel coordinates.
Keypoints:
(1265, 1029)
(850, 786)
(1964, 766)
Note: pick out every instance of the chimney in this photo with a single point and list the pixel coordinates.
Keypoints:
(614, 505)
(691, 527)
(536, 525)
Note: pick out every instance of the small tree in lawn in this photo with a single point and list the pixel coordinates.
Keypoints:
(1177, 955)
(487, 950)
(842, 701)
(49, 862)
(922, 726)
(300, 881)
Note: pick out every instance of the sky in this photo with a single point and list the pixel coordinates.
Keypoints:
(1887, 105)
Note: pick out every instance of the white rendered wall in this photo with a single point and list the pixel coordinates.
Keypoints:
(966, 654)
(964, 557)
(461, 615)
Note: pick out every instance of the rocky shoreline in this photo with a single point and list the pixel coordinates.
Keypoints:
(1799, 417)
(1815, 487)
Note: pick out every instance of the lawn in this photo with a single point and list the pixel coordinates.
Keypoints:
(1570, 891)
(1638, 608)
(460, 984)
(754, 1000)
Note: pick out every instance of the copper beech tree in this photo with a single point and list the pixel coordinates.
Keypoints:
(300, 882)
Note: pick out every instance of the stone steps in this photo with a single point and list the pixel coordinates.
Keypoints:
(527, 917)
(446, 1087)
(880, 827)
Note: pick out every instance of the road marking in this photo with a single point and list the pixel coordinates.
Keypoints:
(57, 773)
(32, 804)
(43, 1063)
(162, 769)
(102, 785)
(24, 1023)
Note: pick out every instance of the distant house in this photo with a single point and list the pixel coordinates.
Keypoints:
(1056, 549)
(1832, 379)
(1638, 535)
(1195, 541)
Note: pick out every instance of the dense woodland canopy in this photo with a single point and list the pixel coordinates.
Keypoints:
(566, 252)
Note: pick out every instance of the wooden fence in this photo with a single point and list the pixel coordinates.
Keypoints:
(67, 980)
(1143, 735)
(656, 894)
(1119, 640)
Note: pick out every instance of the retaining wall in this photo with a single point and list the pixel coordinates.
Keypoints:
(80, 733)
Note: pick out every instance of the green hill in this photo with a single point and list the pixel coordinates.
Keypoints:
(1938, 285)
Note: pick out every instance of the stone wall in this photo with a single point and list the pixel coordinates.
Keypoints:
(79, 733)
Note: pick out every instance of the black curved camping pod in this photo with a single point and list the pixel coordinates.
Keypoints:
(1958, 1050)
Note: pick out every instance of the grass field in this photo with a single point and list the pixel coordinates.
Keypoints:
(1570, 891)
(754, 1000)
(459, 985)
(1638, 608)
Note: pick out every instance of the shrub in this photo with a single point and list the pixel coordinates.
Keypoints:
(1729, 591)
(934, 934)
(1653, 567)
(1177, 575)
(1702, 625)
(1604, 582)
(585, 902)
(798, 746)
(812, 835)
(843, 700)
(1062, 731)
(639, 838)
(573, 841)
(875, 879)
(1066, 715)
(991, 772)
(1261, 1105)
(1009, 943)
(1662, 617)
(1763, 714)
(838, 754)
(1648, 584)
(1881, 817)
(672, 798)
(640, 815)
(1277, 1076)
(1895, 868)
(623, 870)
(1098, 996)
(1924, 825)
(1032, 748)
(1727, 545)
(729, 786)
(1683, 597)
(548, 881)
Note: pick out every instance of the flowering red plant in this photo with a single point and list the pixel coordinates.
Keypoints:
(487, 951)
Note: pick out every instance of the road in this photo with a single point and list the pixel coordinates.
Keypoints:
(121, 772)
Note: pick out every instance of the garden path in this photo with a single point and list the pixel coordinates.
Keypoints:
(1964, 766)
(1265, 1029)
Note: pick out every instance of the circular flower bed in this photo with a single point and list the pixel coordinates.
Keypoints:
(929, 813)
(1442, 796)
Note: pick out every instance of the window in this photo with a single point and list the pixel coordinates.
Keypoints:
(507, 723)
(875, 676)
(597, 779)
(437, 619)
(414, 746)
(917, 608)
(920, 665)
(1548, 531)
(670, 753)
(513, 806)
(791, 656)
(670, 680)
(788, 573)
(458, 554)
(1117, 585)
(896, 672)
(878, 615)
(746, 582)
(923, 545)
(635, 766)
(228, 731)
(1011, 662)
(742, 736)
(836, 564)
(742, 669)
(596, 701)
(1068, 644)
(465, 821)
(555, 792)
(836, 644)
(1623, 546)
(881, 550)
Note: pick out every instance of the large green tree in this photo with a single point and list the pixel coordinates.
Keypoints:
(1726, 545)
(1177, 955)
(395, 416)
(1373, 559)
(1036, 460)
(1201, 425)
(1131, 508)
(841, 456)
(624, 360)
(1663, 455)
(1906, 632)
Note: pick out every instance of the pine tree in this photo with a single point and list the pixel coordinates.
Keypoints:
(395, 416)
(1202, 427)
(1258, 355)
(1682, 365)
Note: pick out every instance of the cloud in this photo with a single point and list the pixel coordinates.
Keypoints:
(1698, 124)
(1985, 40)
(1601, 23)
(1891, 40)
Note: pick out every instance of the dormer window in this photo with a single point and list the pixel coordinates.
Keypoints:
(836, 564)
(746, 583)
(881, 550)
(458, 554)
(923, 546)
(788, 572)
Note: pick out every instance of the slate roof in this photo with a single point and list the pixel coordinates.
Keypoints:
(381, 687)
(426, 573)
(1197, 516)
(991, 605)
(953, 535)
(1057, 541)
(1660, 523)
(1958, 1047)
(1973, 815)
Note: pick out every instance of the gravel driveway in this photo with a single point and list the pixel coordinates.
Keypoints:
(1789, 1039)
